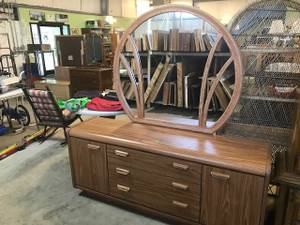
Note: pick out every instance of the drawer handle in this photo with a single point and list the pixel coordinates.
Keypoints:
(121, 153)
(220, 176)
(180, 204)
(95, 147)
(180, 186)
(122, 171)
(123, 188)
(180, 166)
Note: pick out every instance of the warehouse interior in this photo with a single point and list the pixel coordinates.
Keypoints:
(150, 112)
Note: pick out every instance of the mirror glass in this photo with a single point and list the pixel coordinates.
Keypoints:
(181, 68)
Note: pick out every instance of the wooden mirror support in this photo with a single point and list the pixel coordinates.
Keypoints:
(205, 95)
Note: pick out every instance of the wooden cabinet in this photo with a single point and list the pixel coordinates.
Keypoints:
(90, 79)
(89, 165)
(292, 216)
(230, 197)
(70, 50)
(204, 180)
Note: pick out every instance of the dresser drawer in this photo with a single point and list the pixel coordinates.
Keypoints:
(157, 164)
(128, 175)
(155, 192)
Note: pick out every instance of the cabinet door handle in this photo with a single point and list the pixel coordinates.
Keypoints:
(95, 147)
(180, 186)
(123, 188)
(220, 176)
(180, 204)
(121, 153)
(180, 166)
(122, 171)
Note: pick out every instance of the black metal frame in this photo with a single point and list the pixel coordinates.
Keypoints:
(62, 123)
(49, 24)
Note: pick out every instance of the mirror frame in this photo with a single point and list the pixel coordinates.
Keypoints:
(203, 103)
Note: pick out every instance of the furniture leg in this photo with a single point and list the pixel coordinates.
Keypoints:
(281, 205)
(65, 133)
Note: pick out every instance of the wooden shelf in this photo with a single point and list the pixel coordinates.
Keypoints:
(263, 50)
(290, 179)
(273, 99)
(278, 135)
(275, 75)
(267, 35)
(162, 53)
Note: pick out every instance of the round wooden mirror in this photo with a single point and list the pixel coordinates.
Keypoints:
(178, 67)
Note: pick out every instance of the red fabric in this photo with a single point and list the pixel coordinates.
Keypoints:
(100, 104)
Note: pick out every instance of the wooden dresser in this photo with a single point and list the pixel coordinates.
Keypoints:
(182, 176)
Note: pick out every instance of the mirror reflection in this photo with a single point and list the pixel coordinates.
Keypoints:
(180, 68)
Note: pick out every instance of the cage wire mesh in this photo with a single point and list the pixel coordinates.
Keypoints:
(268, 34)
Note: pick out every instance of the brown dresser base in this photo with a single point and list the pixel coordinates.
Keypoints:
(135, 208)
(185, 177)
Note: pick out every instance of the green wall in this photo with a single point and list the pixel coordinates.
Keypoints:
(76, 20)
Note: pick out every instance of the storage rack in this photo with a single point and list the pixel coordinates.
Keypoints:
(267, 33)
(150, 56)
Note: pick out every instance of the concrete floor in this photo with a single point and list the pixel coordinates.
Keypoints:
(36, 189)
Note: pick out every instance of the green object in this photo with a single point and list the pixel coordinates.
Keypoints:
(61, 103)
(73, 104)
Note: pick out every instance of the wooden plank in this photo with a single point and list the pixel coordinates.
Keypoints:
(179, 84)
(160, 82)
(152, 81)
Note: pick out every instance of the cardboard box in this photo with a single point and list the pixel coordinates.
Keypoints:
(62, 73)
(60, 89)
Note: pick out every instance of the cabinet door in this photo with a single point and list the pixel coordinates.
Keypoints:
(231, 198)
(89, 164)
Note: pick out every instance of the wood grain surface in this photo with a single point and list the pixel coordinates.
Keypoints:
(162, 165)
(231, 153)
(89, 164)
(230, 198)
(176, 186)
(156, 192)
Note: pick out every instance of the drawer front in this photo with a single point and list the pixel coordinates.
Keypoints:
(156, 192)
(157, 164)
(128, 175)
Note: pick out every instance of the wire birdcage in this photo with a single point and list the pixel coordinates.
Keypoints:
(268, 33)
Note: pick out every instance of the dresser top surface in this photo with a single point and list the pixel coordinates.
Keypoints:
(230, 153)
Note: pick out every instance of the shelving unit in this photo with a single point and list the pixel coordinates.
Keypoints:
(268, 33)
(173, 53)
(195, 59)
(178, 62)
(104, 33)
(272, 99)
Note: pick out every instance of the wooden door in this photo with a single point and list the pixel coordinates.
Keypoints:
(89, 165)
(231, 198)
